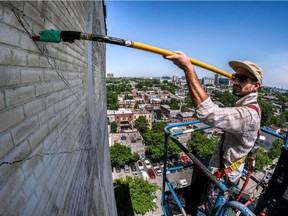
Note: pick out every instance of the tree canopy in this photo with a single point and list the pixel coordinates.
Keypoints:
(275, 151)
(113, 127)
(122, 155)
(200, 145)
(226, 98)
(159, 126)
(262, 159)
(138, 192)
(283, 118)
(142, 125)
(155, 145)
(173, 103)
(267, 115)
(112, 100)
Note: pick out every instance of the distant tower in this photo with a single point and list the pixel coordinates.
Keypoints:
(174, 78)
(110, 75)
(216, 79)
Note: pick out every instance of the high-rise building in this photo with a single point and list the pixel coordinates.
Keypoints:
(217, 76)
(223, 81)
(207, 81)
(110, 75)
(175, 78)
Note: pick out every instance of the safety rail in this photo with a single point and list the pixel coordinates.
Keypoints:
(221, 203)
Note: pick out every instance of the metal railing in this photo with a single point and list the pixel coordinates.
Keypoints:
(221, 204)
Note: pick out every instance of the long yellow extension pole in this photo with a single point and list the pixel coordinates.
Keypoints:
(164, 52)
(56, 36)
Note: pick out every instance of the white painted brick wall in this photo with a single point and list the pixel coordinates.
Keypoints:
(45, 126)
(11, 117)
(24, 129)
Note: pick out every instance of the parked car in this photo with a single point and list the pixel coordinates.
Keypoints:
(174, 159)
(126, 168)
(118, 169)
(154, 163)
(267, 177)
(151, 174)
(133, 167)
(140, 165)
(185, 158)
(135, 174)
(178, 164)
(175, 185)
(169, 165)
(185, 167)
(161, 162)
(158, 171)
(147, 164)
(183, 182)
(144, 175)
(190, 164)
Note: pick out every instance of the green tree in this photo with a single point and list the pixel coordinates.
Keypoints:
(112, 100)
(174, 104)
(262, 159)
(282, 98)
(283, 118)
(159, 127)
(200, 145)
(275, 151)
(267, 116)
(134, 157)
(139, 193)
(113, 127)
(188, 101)
(169, 87)
(121, 154)
(142, 125)
(226, 98)
(155, 145)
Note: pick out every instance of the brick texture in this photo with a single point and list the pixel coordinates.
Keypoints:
(54, 153)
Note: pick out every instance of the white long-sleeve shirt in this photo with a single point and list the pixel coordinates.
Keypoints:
(240, 125)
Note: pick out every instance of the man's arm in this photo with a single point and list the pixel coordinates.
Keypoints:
(198, 94)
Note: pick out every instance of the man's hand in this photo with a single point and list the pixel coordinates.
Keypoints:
(181, 60)
(198, 94)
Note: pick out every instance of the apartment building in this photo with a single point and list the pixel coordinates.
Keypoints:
(124, 119)
(185, 116)
(143, 112)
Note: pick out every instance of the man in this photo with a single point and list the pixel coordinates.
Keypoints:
(240, 123)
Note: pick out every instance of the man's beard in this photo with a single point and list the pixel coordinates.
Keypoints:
(238, 92)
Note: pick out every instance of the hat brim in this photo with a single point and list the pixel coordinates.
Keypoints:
(237, 64)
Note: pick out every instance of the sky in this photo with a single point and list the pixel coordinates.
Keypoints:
(213, 32)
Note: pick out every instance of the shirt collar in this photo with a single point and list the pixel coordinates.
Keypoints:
(247, 99)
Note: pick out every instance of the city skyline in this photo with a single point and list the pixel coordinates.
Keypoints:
(211, 32)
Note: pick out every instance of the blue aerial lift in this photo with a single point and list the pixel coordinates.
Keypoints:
(273, 201)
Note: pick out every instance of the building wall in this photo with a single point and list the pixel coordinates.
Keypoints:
(54, 152)
(147, 116)
(124, 120)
